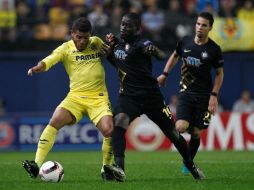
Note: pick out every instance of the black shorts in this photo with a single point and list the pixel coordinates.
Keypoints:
(194, 109)
(154, 107)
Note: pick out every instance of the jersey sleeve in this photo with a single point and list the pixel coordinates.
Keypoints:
(179, 48)
(97, 42)
(144, 44)
(219, 59)
(55, 57)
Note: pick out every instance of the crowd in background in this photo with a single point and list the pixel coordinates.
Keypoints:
(44, 24)
(39, 24)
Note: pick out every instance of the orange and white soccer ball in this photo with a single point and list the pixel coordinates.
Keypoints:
(51, 171)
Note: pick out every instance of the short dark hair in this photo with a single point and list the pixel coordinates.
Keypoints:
(135, 18)
(207, 16)
(82, 24)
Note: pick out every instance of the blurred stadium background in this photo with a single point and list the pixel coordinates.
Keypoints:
(31, 29)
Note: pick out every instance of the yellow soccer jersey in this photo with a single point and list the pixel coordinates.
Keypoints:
(85, 69)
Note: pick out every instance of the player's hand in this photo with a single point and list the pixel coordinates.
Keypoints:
(162, 79)
(213, 103)
(105, 50)
(111, 39)
(36, 69)
(151, 50)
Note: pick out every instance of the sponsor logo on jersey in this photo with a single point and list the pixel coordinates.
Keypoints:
(192, 61)
(120, 54)
(87, 57)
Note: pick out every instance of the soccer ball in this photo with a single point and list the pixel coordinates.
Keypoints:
(51, 171)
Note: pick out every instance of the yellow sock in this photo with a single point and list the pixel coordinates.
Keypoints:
(45, 144)
(107, 152)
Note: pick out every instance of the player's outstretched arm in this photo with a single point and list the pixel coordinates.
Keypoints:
(168, 67)
(40, 67)
(155, 51)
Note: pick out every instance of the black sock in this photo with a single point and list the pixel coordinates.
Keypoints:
(177, 139)
(180, 144)
(119, 144)
(182, 147)
(193, 146)
(120, 162)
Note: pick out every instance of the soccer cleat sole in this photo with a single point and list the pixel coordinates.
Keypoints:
(117, 172)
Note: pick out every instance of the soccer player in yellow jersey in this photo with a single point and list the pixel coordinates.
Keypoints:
(87, 96)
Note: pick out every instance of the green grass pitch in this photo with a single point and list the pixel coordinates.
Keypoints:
(145, 171)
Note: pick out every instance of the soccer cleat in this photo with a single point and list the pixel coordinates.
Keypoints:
(185, 170)
(196, 172)
(116, 172)
(107, 176)
(31, 167)
(200, 175)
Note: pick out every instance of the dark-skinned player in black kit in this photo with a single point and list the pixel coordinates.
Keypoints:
(139, 93)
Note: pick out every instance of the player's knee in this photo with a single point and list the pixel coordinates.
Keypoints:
(106, 126)
(122, 120)
(107, 132)
(56, 122)
(180, 128)
(61, 117)
(196, 133)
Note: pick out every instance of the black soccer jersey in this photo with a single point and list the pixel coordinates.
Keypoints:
(135, 68)
(198, 60)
